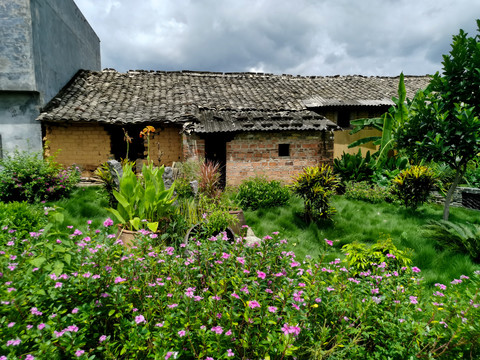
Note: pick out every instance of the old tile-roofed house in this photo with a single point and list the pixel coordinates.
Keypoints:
(252, 123)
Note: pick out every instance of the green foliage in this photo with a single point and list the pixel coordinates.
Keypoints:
(258, 192)
(315, 185)
(462, 238)
(142, 199)
(21, 218)
(354, 167)
(472, 174)
(224, 301)
(26, 176)
(367, 192)
(390, 169)
(444, 125)
(389, 124)
(413, 186)
(379, 257)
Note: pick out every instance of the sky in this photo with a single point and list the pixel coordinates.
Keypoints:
(297, 37)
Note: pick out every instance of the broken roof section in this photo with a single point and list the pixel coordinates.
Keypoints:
(217, 102)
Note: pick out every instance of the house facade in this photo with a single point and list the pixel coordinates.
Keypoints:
(252, 124)
(44, 43)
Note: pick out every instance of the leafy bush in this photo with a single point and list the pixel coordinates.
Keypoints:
(367, 192)
(462, 238)
(390, 169)
(361, 257)
(258, 192)
(354, 167)
(315, 185)
(221, 300)
(21, 218)
(28, 177)
(413, 186)
(472, 175)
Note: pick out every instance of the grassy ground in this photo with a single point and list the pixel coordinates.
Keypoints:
(354, 221)
(85, 203)
(364, 222)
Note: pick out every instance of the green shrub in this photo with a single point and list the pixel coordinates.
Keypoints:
(381, 256)
(21, 218)
(354, 167)
(258, 192)
(472, 175)
(462, 238)
(315, 185)
(367, 192)
(28, 177)
(389, 170)
(413, 186)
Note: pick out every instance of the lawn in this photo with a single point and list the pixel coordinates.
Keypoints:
(365, 222)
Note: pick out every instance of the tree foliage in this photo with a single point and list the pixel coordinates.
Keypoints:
(444, 125)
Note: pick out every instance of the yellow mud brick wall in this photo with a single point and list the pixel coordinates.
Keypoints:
(86, 145)
(166, 146)
(343, 139)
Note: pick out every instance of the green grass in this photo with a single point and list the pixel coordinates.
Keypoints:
(83, 204)
(364, 222)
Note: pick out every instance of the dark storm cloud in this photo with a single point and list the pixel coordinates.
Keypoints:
(369, 37)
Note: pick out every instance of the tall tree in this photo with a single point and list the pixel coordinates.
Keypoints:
(444, 122)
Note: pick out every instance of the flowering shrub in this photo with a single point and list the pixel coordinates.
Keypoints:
(214, 300)
(28, 177)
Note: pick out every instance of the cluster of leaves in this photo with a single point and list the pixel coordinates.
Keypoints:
(21, 218)
(315, 185)
(365, 191)
(142, 199)
(462, 238)
(259, 192)
(26, 176)
(354, 167)
(414, 185)
(214, 299)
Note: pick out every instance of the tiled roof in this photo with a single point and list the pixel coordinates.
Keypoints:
(214, 102)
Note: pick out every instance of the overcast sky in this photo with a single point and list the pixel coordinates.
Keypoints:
(298, 37)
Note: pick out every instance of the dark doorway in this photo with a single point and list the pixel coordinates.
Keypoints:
(216, 151)
(136, 147)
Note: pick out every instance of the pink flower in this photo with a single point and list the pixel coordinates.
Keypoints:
(29, 357)
(79, 353)
(10, 324)
(272, 309)
(102, 338)
(108, 222)
(261, 274)
(413, 300)
(253, 304)
(217, 330)
(241, 260)
(228, 333)
(230, 353)
(41, 326)
(160, 324)
(329, 242)
(75, 310)
(119, 279)
(181, 333)
(140, 319)
(415, 269)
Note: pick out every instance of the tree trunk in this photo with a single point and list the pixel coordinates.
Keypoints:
(448, 198)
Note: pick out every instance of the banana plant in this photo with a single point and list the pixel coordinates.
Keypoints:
(142, 201)
(387, 124)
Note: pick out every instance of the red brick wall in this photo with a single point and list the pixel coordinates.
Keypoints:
(254, 154)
